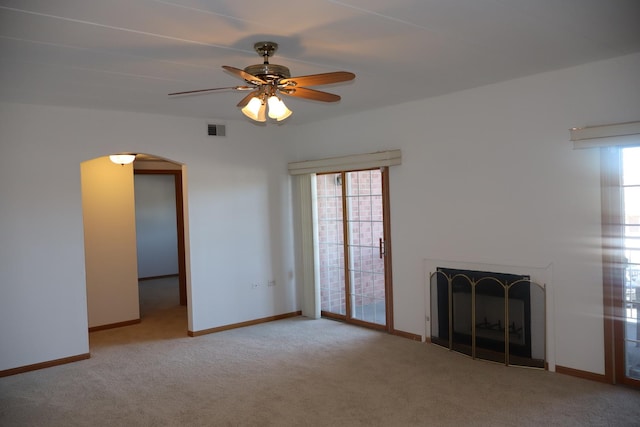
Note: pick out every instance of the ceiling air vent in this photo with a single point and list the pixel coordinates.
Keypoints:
(216, 130)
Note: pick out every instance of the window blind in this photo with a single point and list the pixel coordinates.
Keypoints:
(347, 163)
(611, 135)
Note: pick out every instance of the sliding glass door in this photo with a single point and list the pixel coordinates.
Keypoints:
(354, 246)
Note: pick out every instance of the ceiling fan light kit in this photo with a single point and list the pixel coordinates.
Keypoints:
(268, 80)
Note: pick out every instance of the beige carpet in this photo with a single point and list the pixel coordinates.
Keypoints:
(296, 372)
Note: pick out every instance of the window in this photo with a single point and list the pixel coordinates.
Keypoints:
(621, 262)
(630, 194)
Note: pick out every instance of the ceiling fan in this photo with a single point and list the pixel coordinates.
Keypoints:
(267, 81)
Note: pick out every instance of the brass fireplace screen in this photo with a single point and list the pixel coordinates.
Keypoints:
(492, 316)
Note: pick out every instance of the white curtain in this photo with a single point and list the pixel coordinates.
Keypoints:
(347, 163)
(305, 191)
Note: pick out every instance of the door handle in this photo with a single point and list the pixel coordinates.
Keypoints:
(381, 248)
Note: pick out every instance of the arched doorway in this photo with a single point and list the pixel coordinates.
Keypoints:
(111, 247)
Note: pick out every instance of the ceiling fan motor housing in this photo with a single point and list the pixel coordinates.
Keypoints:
(268, 72)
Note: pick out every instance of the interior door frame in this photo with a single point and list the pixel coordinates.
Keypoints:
(179, 202)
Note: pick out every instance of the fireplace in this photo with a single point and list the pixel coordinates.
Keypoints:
(488, 315)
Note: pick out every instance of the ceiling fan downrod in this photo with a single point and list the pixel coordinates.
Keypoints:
(266, 49)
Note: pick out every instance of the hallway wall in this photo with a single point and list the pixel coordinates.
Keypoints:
(109, 242)
(156, 230)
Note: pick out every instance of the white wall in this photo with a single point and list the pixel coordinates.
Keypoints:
(489, 176)
(156, 230)
(109, 242)
(238, 220)
(43, 306)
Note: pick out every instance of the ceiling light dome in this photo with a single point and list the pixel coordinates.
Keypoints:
(122, 159)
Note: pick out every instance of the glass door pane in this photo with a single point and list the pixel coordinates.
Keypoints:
(331, 243)
(365, 243)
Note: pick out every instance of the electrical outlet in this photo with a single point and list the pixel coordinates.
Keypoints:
(271, 283)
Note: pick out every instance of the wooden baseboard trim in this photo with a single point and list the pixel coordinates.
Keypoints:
(243, 324)
(582, 374)
(114, 325)
(165, 276)
(408, 335)
(43, 365)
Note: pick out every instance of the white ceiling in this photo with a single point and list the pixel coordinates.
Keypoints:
(129, 54)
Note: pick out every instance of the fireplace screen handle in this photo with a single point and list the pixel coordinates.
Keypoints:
(381, 248)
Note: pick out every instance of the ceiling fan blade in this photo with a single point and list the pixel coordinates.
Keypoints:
(244, 101)
(244, 75)
(319, 79)
(189, 92)
(316, 95)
